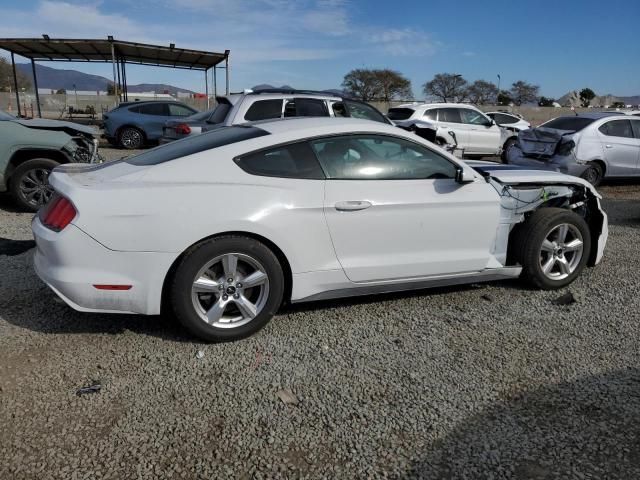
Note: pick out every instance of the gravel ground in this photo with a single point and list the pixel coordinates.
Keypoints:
(491, 381)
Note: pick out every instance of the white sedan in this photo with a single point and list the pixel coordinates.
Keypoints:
(225, 226)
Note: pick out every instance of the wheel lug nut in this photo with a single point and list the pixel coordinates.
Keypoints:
(236, 296)
(229, 280)
(220, 287)
(239, 285)
(224, 297)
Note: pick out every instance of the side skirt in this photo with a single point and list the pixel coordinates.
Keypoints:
(490, 275)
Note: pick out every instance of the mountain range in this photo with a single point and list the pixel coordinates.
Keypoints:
(55, 79)
(572, 99)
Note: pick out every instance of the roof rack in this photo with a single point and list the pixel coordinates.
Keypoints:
(293, 91)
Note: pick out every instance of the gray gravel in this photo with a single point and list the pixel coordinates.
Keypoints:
(492, 381)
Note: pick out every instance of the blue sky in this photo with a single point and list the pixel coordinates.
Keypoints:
(559, 45)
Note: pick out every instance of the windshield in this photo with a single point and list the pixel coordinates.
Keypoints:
(364, 111)
(6, 116)
(190, 145)
(572, 124)
(400, 113)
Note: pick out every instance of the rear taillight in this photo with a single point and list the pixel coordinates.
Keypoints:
(183, 129)
(58, 213)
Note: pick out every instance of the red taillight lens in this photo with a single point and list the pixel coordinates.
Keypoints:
(183, 129)
(58, 213)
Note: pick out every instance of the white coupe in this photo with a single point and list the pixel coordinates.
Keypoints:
(225, 226)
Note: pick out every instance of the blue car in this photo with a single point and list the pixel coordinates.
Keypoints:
(135, 124)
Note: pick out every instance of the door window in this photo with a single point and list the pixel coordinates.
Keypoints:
(449, 115)
(264, 109)
(305, 107)
(288, 161)
(176, 110)
(362, 110)
(378, 157)
(431, 114)
(636, 127)
(472, 117)
(617, 128)
(502, 119)
(154, 109)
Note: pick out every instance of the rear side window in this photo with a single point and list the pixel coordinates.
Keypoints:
(195, 144)
(617, 128)
(400, 113)
(572, 124)
(502, 119)
(154, 109)
(449, 115)
(177, 110)
(364, 111)
(305, 107)
(264, 109)
(636, 127)
(296, 160)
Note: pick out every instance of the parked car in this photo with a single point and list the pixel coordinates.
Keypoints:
(230, 223)
(133, 125)
(475, 133)
(593, 146)
(269, 104)
(30, 149)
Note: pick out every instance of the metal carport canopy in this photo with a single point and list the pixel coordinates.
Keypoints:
(114, 51)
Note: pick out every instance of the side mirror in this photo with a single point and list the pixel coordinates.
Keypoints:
(463, 176)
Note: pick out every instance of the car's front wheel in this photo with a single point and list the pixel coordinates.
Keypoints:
(29, 183)
(553, 246)
(507, 145)
(227, 288)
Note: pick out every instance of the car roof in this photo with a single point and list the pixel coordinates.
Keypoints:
(144, 102)
(596, 115)
(427, 106)
(299, 125)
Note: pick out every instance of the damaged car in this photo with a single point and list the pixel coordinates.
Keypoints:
(593, 146)
(31, 148)
(233, 222)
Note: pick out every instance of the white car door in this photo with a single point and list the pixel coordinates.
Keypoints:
(620, 147)
(395, 210)
(449, 121)
(484, 135)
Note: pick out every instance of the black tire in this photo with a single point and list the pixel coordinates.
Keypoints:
(526, 243)
(190, 307)
(131, 138)
(29, 183)
(507, 145)
(593, 174)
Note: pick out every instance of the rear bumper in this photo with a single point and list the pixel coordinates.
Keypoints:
(566, 165)
(70, 262)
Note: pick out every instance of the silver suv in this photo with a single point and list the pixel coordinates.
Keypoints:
(268, 104)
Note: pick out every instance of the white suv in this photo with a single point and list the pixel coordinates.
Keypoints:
(475, 133)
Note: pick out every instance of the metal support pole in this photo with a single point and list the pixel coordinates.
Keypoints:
(206, 86)
(226, 69)
(113, 61)
(119, 84)
(15, 84)
(35, 86)
(125, 88)
(215, 83)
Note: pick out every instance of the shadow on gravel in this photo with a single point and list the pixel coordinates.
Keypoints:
(588, 428)
(15, 247)
(7, 204)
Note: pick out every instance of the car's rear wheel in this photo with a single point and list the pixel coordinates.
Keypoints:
(29, 183)
(593, 174)
(130, 138)
(553, 247)
(507, 145)
(227, 288)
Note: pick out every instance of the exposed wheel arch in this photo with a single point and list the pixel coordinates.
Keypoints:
(277, 251)
(25, 154)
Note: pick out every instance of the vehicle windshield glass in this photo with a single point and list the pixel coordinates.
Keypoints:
(572, 124)
(200, 143)
(6, 116)
(364, 111)
(399, 113)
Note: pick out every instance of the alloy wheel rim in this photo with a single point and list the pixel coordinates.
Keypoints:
(561, 251)
(592, 175)
(130, 137)
(35, 188)
(230, 290)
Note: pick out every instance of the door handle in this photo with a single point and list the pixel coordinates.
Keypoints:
(608, 145)
(352, 205)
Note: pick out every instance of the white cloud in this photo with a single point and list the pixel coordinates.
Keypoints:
(404, 42)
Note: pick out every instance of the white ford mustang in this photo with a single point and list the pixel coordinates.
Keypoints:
(225, 226)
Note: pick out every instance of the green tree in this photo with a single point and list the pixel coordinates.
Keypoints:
(6, 77)
(446, 87)
(111, 89)
(523, 92)
(391, 85)
(546, 102)
(618, 105)
(504, 98)
(61, 91)
(482, 92)
(361, 83)
(586, 95)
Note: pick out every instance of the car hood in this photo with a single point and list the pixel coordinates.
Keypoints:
(542, 141)
(513, 174)
(59, 125)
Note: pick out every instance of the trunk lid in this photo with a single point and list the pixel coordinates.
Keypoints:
(543, 142)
